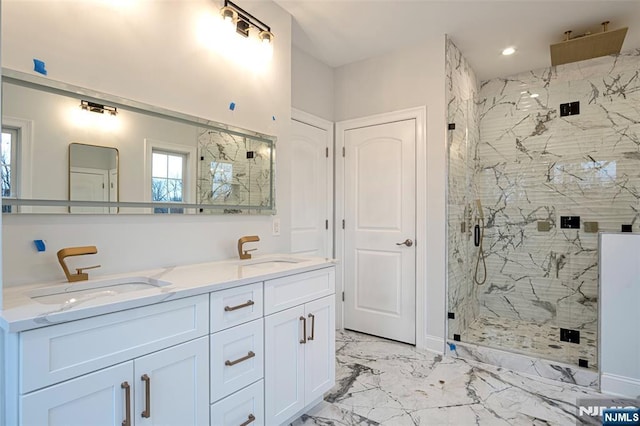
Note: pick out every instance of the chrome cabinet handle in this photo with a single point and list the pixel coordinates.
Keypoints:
(127, 403)
(244, 305)
(304, 330)
(239, 360)
(250, 420)
(313, 326)
(147, 398)
(406, 242)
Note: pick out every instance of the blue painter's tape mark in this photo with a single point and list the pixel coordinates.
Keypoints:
(232, 106)
(452, 347)
(38, 66)
(39, 245)
(273, 117)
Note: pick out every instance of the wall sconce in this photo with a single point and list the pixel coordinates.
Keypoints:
(244, 21)
(98, 108)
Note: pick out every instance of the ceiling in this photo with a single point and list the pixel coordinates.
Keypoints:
(338, 32)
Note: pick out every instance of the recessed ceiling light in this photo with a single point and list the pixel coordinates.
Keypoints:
(509, 51)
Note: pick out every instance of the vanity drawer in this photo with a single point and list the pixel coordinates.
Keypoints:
(286, 292)
(237, 358)
(236, 306)
(241, 407)
(52, 354)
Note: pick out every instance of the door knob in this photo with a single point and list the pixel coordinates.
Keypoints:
(406, 242)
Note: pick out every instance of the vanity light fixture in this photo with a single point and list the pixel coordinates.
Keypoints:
(509, 51)
(98, 108)
(244, 22)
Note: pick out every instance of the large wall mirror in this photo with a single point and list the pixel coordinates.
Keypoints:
(67, 149)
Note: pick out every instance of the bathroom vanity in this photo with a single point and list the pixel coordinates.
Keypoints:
(224, 343)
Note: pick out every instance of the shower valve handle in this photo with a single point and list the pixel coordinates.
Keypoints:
(406, 242)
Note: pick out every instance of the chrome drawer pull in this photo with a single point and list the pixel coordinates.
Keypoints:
(244, 305)
(239, 360)
(250, 420)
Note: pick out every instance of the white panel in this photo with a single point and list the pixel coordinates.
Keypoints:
(378, 282)
(378, 175)
(310, 190)
(233, 297)
(230, 345)
(63, 351)
(283, 293)
(619, 314)
(284, 365)
(320, 352)
(240, 407)
(96, 399)
(179, 385)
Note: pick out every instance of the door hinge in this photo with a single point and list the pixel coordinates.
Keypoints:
(343, 296)
(326, 224)
(343, 151)
(327, 152)
(342, 223)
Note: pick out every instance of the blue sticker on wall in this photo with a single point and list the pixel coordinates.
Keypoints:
(38, 66)
(40, 246)
(232, 106)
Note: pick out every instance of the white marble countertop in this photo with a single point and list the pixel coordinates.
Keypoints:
(21, 312)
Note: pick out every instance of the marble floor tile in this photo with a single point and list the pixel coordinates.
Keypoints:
(381, 382)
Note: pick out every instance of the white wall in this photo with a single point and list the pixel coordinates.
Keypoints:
(411, 77)
(311, 85)
(150, 52)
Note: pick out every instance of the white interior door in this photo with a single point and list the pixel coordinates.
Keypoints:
(380, 215)
(311, 190)
(88, 185)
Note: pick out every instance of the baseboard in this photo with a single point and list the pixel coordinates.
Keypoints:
(619, 385)
(433, 344)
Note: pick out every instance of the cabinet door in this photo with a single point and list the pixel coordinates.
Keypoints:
(96, 399)
(320, 350)
(175, 383)
(284, 365)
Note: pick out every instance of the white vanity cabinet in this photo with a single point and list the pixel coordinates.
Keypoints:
(168, 387)
(254, 353)
(144, 366)
(299, 343)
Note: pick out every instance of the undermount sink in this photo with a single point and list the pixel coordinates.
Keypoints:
(268, 263)
(77, 293)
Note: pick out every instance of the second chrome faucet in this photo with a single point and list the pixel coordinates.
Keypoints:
(244, 254)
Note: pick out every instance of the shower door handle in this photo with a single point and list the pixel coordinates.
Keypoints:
(406, 242)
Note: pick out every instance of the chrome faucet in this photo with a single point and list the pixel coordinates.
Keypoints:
(80, 275)
(244, 254)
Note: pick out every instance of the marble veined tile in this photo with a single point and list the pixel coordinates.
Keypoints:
(381, 382)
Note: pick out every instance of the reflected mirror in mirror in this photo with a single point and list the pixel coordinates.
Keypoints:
(93, 176)
(155, 160)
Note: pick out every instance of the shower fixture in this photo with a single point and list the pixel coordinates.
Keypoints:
(478, 236)
(587, 45)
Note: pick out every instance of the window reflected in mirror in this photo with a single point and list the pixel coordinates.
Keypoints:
(8, 154)
(167, 179)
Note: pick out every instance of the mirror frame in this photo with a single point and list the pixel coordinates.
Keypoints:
(65, 89)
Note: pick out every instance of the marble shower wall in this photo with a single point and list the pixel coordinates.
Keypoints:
(535, 165)
(462, 89)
